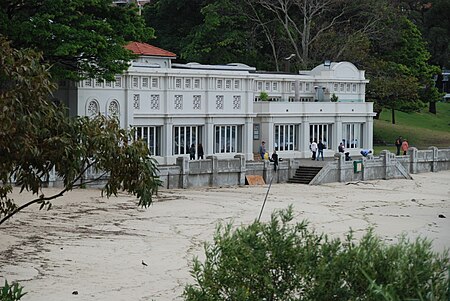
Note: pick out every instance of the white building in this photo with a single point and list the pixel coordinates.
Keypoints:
(173, 106)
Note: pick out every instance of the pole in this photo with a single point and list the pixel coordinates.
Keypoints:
(265, 199)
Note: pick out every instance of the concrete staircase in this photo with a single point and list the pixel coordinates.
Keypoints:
(305, 174)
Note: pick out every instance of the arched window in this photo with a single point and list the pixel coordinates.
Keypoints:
(113, 109)
(93, 108)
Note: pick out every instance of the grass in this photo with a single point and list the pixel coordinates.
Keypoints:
(422, 129)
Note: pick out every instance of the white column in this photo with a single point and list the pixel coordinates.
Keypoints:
(247, 139)
(304, 142)
(338, 133)
(167, 138)
(208, 148)
(368, 133)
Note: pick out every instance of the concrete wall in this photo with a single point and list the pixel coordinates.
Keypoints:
(214, 171)
(386, 166)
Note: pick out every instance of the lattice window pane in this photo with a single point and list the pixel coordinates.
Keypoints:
(154, 102)
(178, 102)
(219, 102)
(197, 102)
(236, 102)
(137, 101)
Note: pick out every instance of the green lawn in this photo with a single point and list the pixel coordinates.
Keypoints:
(421, 129)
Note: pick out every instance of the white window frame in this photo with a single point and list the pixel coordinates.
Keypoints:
(187, 83)
(118, 82)
(197, 84)
(321, 131)
(259, 86)
(145, 82)
(237, 84)
(352, 135)
(178, 83)
(184, 136)
(227, 139)
(155, 82)
(151, 135)
(285, 137)
(219, 84)
(135, 82)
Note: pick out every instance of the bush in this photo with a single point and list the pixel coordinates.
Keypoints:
(11, 292)
(280, 260)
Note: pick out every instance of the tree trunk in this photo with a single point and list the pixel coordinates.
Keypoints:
(393, 115)
(378, 113)
(432, 107)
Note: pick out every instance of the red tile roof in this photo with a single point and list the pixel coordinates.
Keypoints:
(146, 49)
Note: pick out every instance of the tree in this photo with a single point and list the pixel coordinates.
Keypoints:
(172, 31)
(37, 136)
(282, 260)
(78, 38)
(391, 86)
(225, 36)
(411, 51)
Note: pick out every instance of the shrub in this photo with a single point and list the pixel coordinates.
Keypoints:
(263, 96)
(11, 292)
(281, 260)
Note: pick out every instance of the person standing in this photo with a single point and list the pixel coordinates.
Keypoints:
(320, 148)
(200, 152)
(262, 149)
(405, 147)
(341, 148)
(274, 159)
(398, 144)
(192, 152)
(313, 149)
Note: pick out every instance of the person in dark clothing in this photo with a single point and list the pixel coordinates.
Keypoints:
(320, 148)
(200, 151)
(192, 152)
(274, 159)
(341, 147)
(398, 144)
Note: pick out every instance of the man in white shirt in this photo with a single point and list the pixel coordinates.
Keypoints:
(313, 149)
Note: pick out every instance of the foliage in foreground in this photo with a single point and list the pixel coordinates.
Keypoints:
(280, 260)
(11, 292)
(37, 136)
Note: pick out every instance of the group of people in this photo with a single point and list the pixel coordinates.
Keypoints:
(265, 155)
(317, 149)
(200, 152)
(401, 144)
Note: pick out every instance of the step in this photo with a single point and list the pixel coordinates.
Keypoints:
(304, 174)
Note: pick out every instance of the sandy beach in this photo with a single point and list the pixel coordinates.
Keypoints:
(96, 246)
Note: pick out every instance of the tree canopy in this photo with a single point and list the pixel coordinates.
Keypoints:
(405, 34)
(37, 137)
(78, 38)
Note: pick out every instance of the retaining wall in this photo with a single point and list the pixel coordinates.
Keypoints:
(228, 172)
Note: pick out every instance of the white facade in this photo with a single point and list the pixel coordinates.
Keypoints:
(173, 106)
